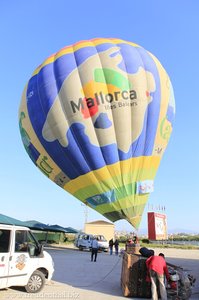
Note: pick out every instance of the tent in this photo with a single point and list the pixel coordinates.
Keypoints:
(36, 225)
(71, 230)
(11, 221)
(56, 228)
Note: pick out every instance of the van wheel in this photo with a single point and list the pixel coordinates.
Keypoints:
(36, 282)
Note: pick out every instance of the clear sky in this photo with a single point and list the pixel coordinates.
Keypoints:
(30, 31)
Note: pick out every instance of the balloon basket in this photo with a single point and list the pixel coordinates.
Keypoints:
(133, 276)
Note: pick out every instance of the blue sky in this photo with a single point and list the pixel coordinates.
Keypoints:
(31, 31)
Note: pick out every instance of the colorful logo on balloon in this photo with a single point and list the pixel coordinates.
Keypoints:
(99, 92)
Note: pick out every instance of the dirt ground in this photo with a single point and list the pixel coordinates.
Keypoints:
(76, 277)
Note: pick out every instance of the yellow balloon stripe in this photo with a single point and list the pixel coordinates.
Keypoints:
(143, 168)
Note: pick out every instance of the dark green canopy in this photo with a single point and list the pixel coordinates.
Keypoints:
(11, 221)
(36, 225)
(56, 228)
(71, 230)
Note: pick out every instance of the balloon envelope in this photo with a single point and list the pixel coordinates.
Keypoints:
(96, 118)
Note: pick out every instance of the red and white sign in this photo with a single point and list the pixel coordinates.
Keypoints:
(157, 226)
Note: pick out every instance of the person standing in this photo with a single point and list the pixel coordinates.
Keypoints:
(157, 268)
(94, 249)
(111, 246)
(116, 244)
(135, 239)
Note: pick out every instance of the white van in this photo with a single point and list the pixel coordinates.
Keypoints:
(22, 259)
(84, 241)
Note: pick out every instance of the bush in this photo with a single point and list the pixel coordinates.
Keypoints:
(69, 238)
(122, 239)
(145, 241)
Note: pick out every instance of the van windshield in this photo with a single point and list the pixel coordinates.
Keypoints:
(24, 240)
(101, 238)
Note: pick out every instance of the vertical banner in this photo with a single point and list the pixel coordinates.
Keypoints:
(157, 226)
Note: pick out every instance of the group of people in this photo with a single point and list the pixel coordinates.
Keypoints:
(134, 240)
(114, 244)
(95, 246)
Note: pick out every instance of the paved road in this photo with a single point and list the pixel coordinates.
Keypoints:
(76, 277)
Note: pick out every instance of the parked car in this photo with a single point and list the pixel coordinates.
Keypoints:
(23, 261)
(103, 243)
(84, 241)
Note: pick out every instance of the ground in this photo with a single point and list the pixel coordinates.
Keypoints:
(76, 277)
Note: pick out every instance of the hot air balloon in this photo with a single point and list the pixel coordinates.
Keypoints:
(96, 118)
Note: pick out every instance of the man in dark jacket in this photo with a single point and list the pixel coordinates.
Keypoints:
(157, 268)
(116, 244)
(94, 248)
(111, 246)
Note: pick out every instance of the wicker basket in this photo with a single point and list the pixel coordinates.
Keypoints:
(133, 276)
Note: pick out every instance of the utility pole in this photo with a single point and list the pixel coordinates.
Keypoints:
(85, 213)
